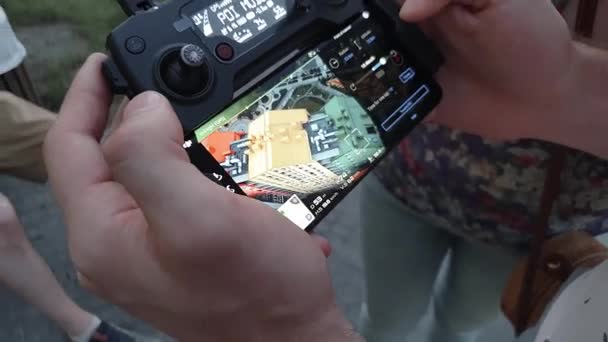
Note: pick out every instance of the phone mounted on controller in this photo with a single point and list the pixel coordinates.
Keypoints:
(203, 54)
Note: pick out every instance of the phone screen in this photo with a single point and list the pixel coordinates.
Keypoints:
(302, 139)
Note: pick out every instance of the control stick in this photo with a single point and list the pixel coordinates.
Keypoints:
(186, 71)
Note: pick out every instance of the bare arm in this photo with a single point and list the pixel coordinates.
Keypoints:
(582, 122)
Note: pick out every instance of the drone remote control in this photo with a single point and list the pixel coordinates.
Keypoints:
(236, 42)
(290, 102)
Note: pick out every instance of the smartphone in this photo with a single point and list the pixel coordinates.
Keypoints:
(303, 138)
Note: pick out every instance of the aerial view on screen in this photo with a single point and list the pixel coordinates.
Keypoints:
(301, 139)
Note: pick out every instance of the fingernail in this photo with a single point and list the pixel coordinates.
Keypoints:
(146, 101)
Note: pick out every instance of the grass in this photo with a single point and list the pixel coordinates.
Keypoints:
(92, 20)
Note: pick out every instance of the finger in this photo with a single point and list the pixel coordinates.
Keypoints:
(455, 21)
(72, 152)
(146, 156)
(323, 243)
(85, 107)
(428, 28)
(11, 230)
(419, 10)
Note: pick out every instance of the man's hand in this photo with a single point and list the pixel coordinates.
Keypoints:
(150, 233)
(508, 63)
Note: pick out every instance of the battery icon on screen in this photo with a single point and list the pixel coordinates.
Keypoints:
(207, 29)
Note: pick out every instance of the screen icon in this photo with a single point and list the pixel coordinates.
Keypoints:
(334, 63)
(297, 212)
(396, 57)
(405, 108)
(407, 75)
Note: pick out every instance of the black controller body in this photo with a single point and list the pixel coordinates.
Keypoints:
(141, 46)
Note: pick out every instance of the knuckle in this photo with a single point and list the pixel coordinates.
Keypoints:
(88, 261)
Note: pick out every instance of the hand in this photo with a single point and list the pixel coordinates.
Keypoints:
(149, 233)
(507, 65)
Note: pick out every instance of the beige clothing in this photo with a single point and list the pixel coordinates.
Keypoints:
(23, 127)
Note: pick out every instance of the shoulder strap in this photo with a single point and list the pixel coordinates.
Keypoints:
(549, 195)
(585, 22)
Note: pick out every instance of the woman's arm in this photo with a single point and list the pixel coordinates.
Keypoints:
(582, 120)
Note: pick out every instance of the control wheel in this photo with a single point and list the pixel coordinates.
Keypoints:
(185, 71)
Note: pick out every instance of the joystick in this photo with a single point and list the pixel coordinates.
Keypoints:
(185, 72)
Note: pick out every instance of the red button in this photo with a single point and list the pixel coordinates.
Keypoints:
(224, 51)
(396, 57)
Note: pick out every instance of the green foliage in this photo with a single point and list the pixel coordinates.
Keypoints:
(91, 20)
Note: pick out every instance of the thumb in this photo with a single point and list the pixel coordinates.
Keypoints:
(153, 112)
(146, 156)
(419, 10)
